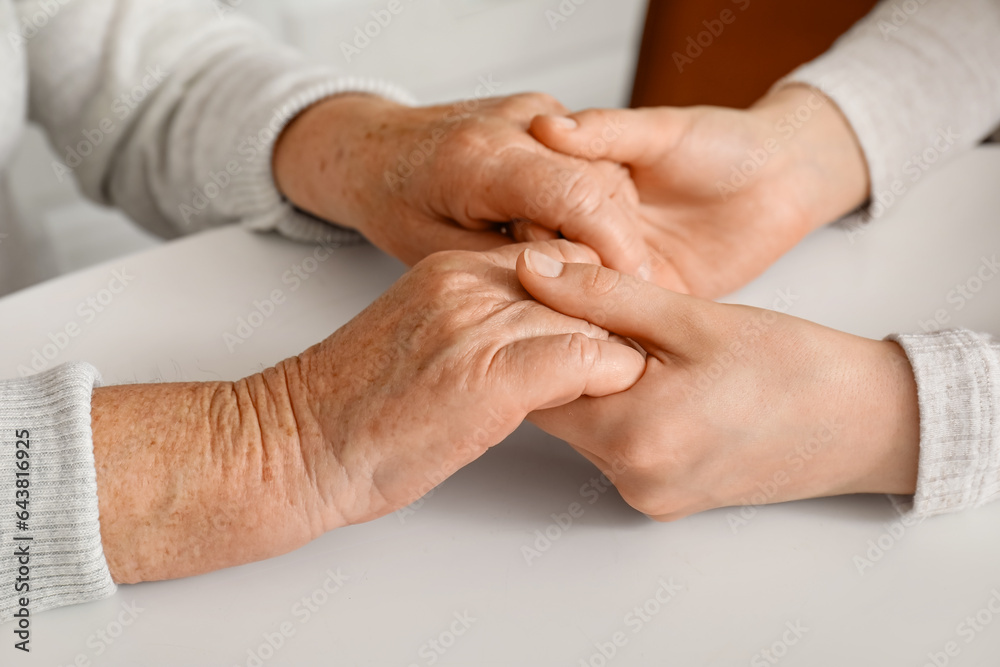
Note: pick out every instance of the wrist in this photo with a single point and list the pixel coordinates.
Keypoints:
(329, 158)
(888, 421)
(193, 478)
(819, 151)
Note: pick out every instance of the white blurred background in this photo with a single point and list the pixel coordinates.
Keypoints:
(437, 49)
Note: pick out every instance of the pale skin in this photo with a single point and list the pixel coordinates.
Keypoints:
(687, 442)
(731, 396)
(706, 235)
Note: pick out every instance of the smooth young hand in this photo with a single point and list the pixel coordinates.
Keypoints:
(732, 400)
(724, 192)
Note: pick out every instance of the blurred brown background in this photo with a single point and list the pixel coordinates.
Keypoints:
(732, 58)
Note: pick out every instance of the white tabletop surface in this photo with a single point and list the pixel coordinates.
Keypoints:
(460, 554)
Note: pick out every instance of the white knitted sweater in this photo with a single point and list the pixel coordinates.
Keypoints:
(167, 109)
(898, 77)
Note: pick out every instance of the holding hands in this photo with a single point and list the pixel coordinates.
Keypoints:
(417, 180)
(733, 399)
(723, 192)
(443, 366)
(698, 200)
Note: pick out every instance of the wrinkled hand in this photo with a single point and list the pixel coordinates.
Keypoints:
(724, 192)
(443, 366)
(419, 180)
(736, 405)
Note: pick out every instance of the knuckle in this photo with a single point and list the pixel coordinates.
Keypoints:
(580, 346)
(602, 281)
(465, 139)
(446, 273)
(584, 196)
(533, 100)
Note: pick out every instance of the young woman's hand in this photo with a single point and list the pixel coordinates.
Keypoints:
(734, 401)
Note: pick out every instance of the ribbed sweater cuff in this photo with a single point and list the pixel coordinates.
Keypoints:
(265, 208)
(958, 386)
(49, 414)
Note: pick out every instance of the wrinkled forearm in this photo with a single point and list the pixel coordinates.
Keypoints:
(197, 477)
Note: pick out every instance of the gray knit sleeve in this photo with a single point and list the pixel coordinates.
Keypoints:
(50, 535)
(169, 110)
(958, 387)
(918, 82)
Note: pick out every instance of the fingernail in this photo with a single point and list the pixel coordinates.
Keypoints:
(565, 123)
(542, 264)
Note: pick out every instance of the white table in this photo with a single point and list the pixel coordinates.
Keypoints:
(411, 577)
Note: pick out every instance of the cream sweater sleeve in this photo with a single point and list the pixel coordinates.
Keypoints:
(920, 82)
(50, 535)
(169, 110)
(958, 387)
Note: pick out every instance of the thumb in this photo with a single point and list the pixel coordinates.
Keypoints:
(551, 371)
(628, 136)
(654, 317)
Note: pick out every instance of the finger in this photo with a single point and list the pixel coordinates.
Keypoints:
(551, 371)
(561, 249)
(590, 203)
(628, 136)
(654, 317)
(580, 422)
(525, 231)
(445, 236)
(525, 106)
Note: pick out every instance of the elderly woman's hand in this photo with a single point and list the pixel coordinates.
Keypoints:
(737, 405)
(417, 180)
(446, 364)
